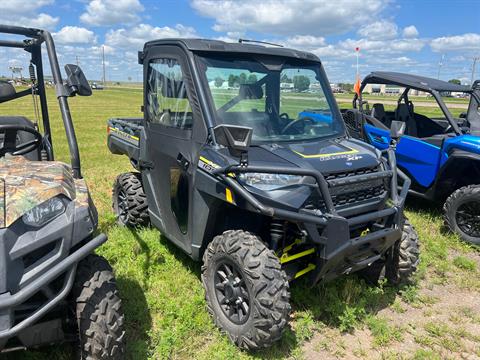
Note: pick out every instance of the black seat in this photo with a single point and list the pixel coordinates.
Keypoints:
(22, 136)
(403, 114)
(378, 112)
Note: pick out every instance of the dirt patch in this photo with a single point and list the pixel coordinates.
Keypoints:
(442, 322)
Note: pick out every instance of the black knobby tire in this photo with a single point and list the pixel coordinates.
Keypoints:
(465, 198)
(98, 311)
(400, 263)
(406, 257)
(129, 200)
(264, 280)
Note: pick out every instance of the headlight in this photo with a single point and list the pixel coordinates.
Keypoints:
(45, 212)
(269, 181)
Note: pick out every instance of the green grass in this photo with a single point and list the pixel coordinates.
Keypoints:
(164, 303)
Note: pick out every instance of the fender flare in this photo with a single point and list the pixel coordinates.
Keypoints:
(453, 157)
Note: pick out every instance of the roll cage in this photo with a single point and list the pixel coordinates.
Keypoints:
(432, 86)
(33, 45)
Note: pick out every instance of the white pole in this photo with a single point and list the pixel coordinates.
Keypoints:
(440, 64)
(358, 55)
(475, 59)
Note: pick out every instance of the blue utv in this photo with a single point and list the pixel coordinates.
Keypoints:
(441, 154)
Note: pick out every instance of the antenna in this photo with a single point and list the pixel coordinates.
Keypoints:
(241, 41)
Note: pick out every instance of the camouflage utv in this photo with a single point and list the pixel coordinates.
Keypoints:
(52, 288)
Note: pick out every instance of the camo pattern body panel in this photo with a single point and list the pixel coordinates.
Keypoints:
(82, 194)
(30, 183)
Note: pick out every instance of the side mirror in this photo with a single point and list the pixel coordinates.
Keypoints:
(236, 138)
(76, 81)
(397, 130)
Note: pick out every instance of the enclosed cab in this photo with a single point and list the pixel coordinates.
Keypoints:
(232, 170)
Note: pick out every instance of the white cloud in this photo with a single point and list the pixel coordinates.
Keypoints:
(22, 7)
(379, 30)
(136, 36)
(74, 35)
(112, 12)
(463, 42)
(25, 13)
(304, 41)
(98, 50)
(410, 32)
(42, 21)
(383, 46)
(303, 17)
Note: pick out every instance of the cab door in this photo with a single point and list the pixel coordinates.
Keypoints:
(169, 126)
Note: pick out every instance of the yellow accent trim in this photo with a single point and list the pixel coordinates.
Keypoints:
(124, 133)
(286, 258)
(310, 267)
(229, 195)
(289, 247)
(352, 151)
(365, 232)
(211, 163)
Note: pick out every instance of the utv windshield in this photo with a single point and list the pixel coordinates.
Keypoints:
(280, 99)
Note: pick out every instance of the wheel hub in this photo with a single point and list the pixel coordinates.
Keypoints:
(232, 293)
(468, 218)
(122, 206)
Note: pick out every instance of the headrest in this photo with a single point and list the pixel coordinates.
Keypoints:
(250, 91)
(378, 111)
(403, 109)
(7, 90)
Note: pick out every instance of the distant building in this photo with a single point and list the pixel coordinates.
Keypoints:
(212, 84)
(336, 88)
(382, 89)
(284, 86)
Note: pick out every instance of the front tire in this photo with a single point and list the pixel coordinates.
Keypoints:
(400, 263)
(98, 310)
(462, 213)
(246, 290)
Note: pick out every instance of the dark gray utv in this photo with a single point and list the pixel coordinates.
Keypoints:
(243, 162)
(52, 287)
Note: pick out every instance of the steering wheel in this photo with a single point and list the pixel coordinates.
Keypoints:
(296, 122)
(10, 140)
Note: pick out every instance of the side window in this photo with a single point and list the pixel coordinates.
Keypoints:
(167, 101)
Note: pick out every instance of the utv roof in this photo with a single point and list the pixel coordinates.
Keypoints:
(205, 45)
(412, 81)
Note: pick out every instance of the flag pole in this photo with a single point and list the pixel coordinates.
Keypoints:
(357, 80)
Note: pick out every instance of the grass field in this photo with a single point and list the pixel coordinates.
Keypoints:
(164, 301)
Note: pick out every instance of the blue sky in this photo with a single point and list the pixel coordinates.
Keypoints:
(409, 36)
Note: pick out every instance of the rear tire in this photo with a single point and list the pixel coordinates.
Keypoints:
(400, 263)
(246, 290)
(98, 310)
(461, 213)
(129, 200)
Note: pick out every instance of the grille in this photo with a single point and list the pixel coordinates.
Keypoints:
(351, 194)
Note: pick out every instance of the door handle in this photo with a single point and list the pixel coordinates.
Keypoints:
(183, 162)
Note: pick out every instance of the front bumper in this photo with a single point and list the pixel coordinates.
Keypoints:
(8, 301)
(340, 249)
